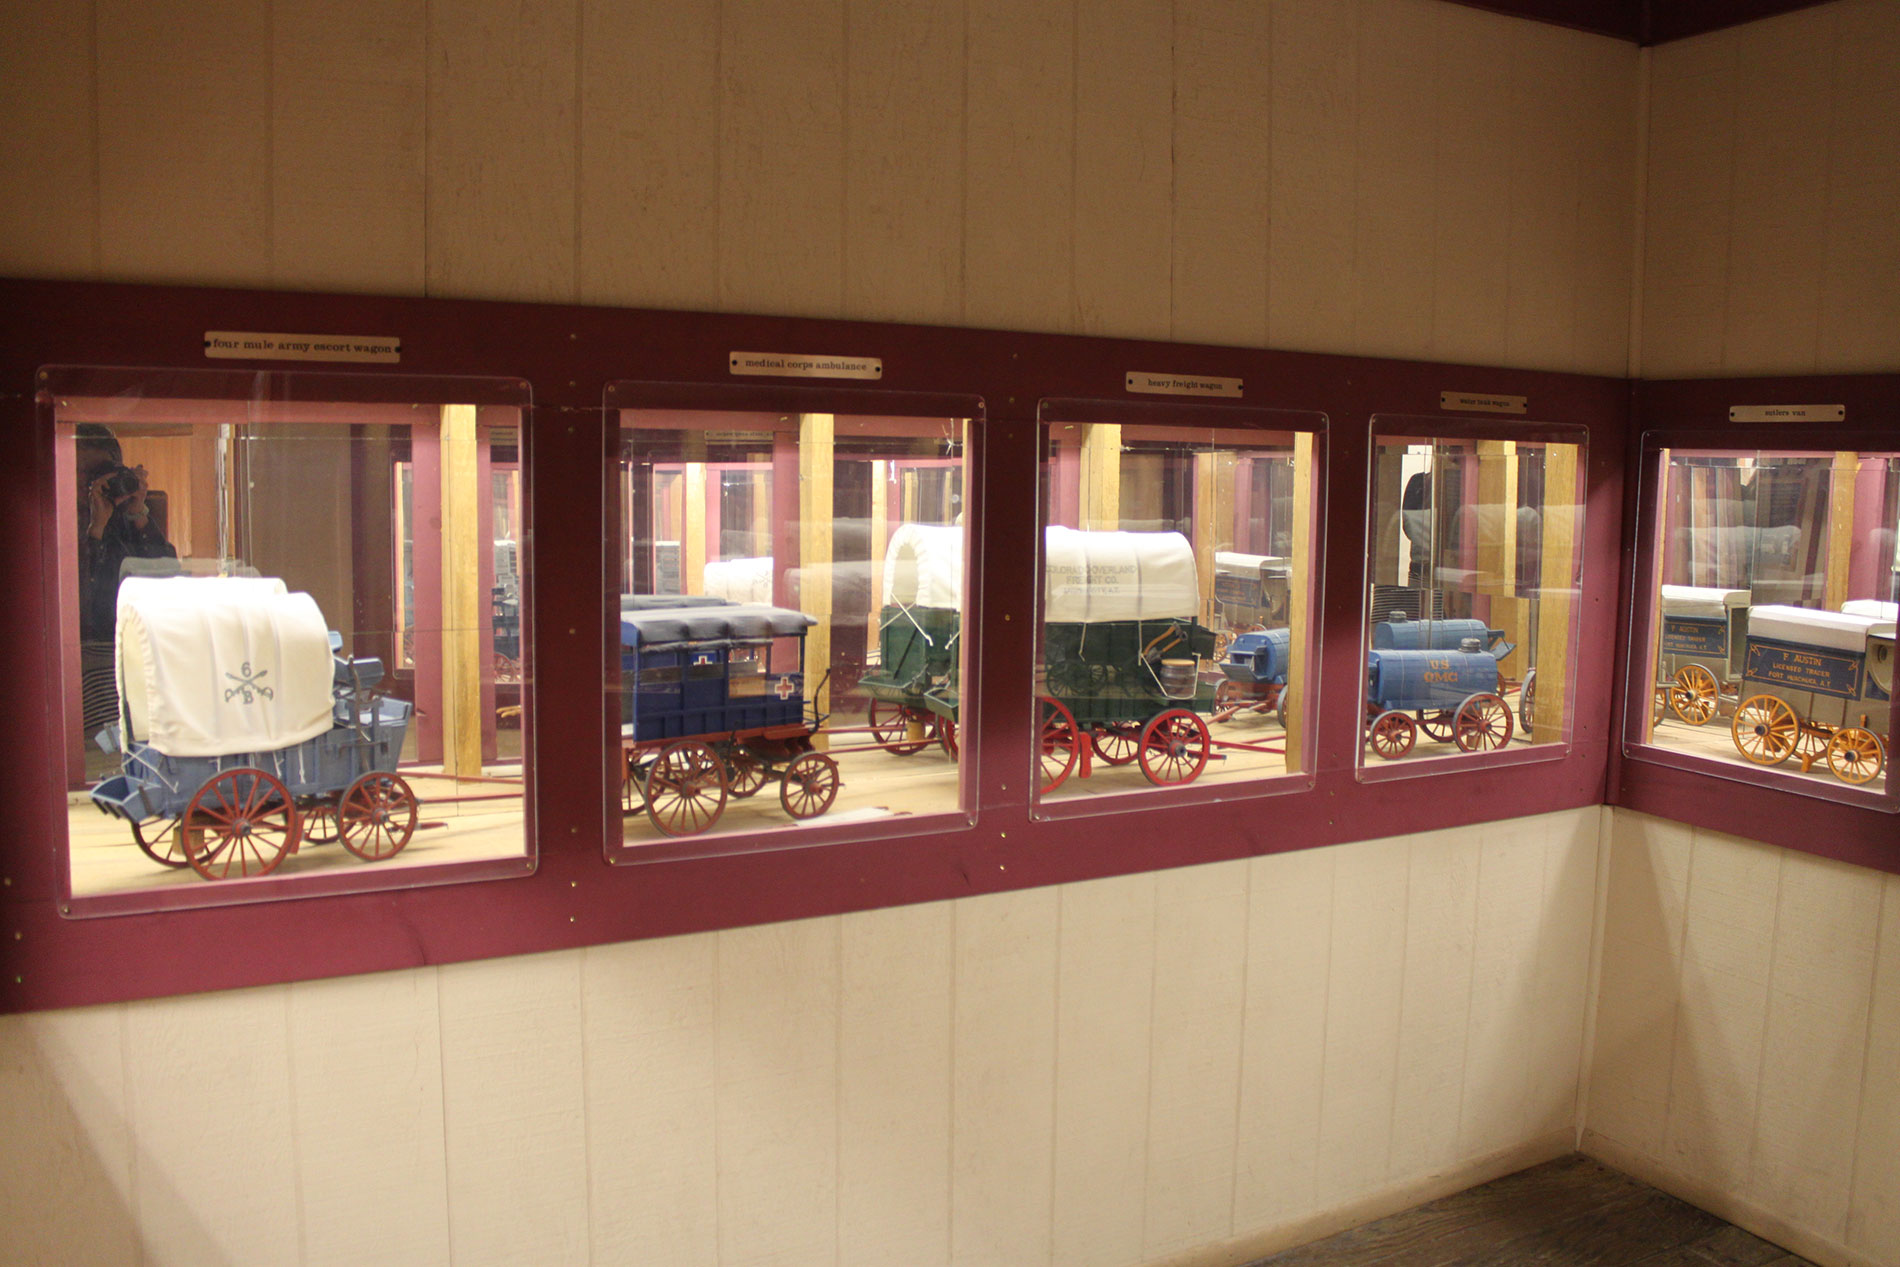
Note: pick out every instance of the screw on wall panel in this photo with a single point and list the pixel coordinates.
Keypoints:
(573, 919)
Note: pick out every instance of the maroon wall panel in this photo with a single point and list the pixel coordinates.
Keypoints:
(573, 897)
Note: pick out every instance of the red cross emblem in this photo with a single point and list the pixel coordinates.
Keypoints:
(785, 688)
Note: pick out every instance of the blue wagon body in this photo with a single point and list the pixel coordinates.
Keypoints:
(1256, 658)
(1439, 635)
(1430, 680)
(704, 716)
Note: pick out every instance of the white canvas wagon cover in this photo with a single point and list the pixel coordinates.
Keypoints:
(1813, 628)
(1871, 607)
(1700, 600)
(923, 566)
(217, 665)
(1097, 576)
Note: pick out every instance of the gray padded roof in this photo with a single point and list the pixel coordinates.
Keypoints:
(714, 622)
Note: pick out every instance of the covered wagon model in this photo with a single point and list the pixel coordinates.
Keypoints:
(1699, 655)
(913, 689)
(244, 734)
(1122, 651)
(1816, 685)
(705, 714)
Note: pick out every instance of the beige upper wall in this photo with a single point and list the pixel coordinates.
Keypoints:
(1387, 177)
(1773, 244)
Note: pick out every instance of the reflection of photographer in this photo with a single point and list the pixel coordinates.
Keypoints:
(116, 523)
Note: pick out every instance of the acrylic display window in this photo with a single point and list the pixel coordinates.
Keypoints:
(1766, 624)
(291, 632)
(1474, 554)
(1178, 558)
(787, 613)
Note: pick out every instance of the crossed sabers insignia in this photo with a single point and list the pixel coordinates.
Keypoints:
(249, 685)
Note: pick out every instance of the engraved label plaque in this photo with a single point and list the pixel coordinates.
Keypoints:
(804, 365)
(1787, 413)
(1483, 402)
(1151, 384)
(249, 345)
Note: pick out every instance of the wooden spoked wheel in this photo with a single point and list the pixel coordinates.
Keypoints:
(1692, 696)
(160, 839)
(241, 823)
(1392, 734)
(686, 789)
(1483, 723)
(1229, 697)
(810, 785)
(1174, 747)
(1280, 706)
(1527, 702)
(1439, 724)
(316, 823)
(1056, 741)
(1855, 755)
(890, 726)
(1117, 743)
(1658, 704)
(947, 736)
(745, 773)
(1810, 743)
(1765, 729)
(376, 816)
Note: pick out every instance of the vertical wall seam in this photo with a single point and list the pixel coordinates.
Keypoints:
(1055, 1096)
(950, 1222)
(963, 181)
(296, 1136)
(428, 139)
(1677, 1019)
(1154, 1028)
(270, 141)
(1887, 890)
(1832, 17)
(1761, 1060)
(587, 1108)
(844, 183)
(1728, 201)
(837, 1093)
(1593, 976)
(442, 1082)
(1075, 322)
(95, 143)
(1639, 207)
(578, 189)
(1240, 1064)
(718, 1085)
(1471, 977)
(130, 1099)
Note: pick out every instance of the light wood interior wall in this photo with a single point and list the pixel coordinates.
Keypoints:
(1748, 1036)
(1319, 1033)
(1109, 1072)
(1774, 170)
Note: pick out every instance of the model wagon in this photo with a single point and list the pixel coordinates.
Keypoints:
(1122, 654)
(1699, 649)
(1816, 685)
(714, 706)
(1439, 676)
(244, 734)
(913, 689)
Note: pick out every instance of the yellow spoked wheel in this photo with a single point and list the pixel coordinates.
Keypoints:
(1693, 694)
(1765, 730)
(1855, 755)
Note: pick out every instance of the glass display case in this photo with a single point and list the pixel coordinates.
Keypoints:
(290, 631)
(1766, 625)
(1475, 536)
(1177, 565)
(788, 607)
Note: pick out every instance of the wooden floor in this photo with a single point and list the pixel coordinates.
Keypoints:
(1569, 1213)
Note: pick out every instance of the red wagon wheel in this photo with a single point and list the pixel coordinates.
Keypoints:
(1057, 741)
(1765, 729)
(1439, 724)
(1392, 734)
(377, 816)
(947, 735)
(1174, 747)
(1229, 696)
(241, 822)
(745, 773)
(890, 726)
(1483, 723)
(317, 823)
(1855, 755)
(686, 790)
(1117, 743)
(1692, 696)
(163, 844)
(1527, 701)
(810, 785)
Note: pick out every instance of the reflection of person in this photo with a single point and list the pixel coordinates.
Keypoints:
(1415, 521)
(115, 524)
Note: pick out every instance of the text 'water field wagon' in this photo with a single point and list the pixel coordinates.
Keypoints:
(242, 734)
(713, 705)
(913, 689)
(1817, 685)
(1439, 676)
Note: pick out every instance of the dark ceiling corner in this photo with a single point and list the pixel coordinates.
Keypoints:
(1643, 21)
